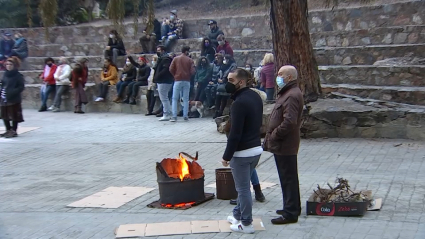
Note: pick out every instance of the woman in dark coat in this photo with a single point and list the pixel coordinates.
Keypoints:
(208, 49)
(79, 79)
(142, 75)
(11, 87)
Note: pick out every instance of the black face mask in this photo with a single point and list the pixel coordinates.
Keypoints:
(230, 88)
(50, 64)
(159, 54)
(203, 63)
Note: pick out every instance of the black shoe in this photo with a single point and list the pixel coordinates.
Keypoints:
(233, 202)
(159, 115)
(280, 212)
(43, 108)
(126, 101)
(281, 220)
(148, 114)
(259, 196)
(132, 102)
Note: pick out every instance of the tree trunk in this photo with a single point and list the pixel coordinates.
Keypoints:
(292, 44)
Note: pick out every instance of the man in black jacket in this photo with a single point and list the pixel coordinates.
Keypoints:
(164, 80)
(215, 32)
(243, 149)
(149, 40)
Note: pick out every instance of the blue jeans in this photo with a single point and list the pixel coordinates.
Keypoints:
(181, 89)
(242, 170)
(254, 178)
(121, 87)
(45, 94)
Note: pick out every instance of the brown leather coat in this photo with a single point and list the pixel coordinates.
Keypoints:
(283, 131)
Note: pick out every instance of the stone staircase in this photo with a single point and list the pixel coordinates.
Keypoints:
(348, 43)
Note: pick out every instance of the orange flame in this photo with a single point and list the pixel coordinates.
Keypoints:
(185, 204)
(184, 168)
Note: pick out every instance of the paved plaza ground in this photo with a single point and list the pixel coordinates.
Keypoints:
(73, 156)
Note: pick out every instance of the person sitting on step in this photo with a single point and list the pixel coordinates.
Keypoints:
(223, 46)
(214, 33)
(62, 77)
(49, 82)
(223, 96)
(20, 49)
(143, 72)
(211, 88)
(208, 49)
(115, 46)
(150, 38)
(127, 77)
(171, 30)
(109, 76)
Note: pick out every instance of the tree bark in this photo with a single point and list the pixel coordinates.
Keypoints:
(292, 44)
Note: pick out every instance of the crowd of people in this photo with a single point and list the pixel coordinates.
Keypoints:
(175, 80)
(12, 46)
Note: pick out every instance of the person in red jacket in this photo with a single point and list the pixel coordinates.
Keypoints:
(49, 82)
(224, 47)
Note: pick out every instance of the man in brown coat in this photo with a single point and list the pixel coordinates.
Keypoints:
(182, 68)
(283, 140)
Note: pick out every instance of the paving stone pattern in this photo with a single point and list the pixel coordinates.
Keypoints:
(73, 156)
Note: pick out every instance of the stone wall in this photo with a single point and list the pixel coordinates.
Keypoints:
(344, 118)
(347, 19)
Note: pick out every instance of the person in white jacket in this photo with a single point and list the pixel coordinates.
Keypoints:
(62, 76)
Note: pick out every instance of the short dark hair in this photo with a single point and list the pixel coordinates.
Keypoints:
(185, 49)
(49, 59)
(243, 74)
(162, 47)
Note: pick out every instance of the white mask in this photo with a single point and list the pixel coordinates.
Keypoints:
(225, 62)
(111, 36)
(128, 63)
(247, 68)
(153, 63)
(172, 17)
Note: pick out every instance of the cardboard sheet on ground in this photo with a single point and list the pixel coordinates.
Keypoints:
(178, 228)
(375, 205)
(112, 197)
(264, 185)
(22, 130)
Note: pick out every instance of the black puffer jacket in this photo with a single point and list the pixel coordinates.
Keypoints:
(13, 84)
(162, 71)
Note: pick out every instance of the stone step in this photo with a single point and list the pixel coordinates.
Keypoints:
(400, 94)
(362, 75)
(346, 118)
(365, 17)
(373, 75)
(31, 100)
(375, 36)
(361, 55)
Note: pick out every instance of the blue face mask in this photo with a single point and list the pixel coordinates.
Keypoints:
(280, 82)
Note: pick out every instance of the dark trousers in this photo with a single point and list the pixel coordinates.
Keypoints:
(221, 103)
(121, 87)
(133, 88)
(200, 92)
(270, 93)
(103, 89)
(288, 175)
(151, 99)
(148, 43)
(210, 94)
(14, 125)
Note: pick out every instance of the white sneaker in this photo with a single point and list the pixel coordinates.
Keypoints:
(165, 118)
(98, 99)
(232, 220)
(51, 108)
(241, 228)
